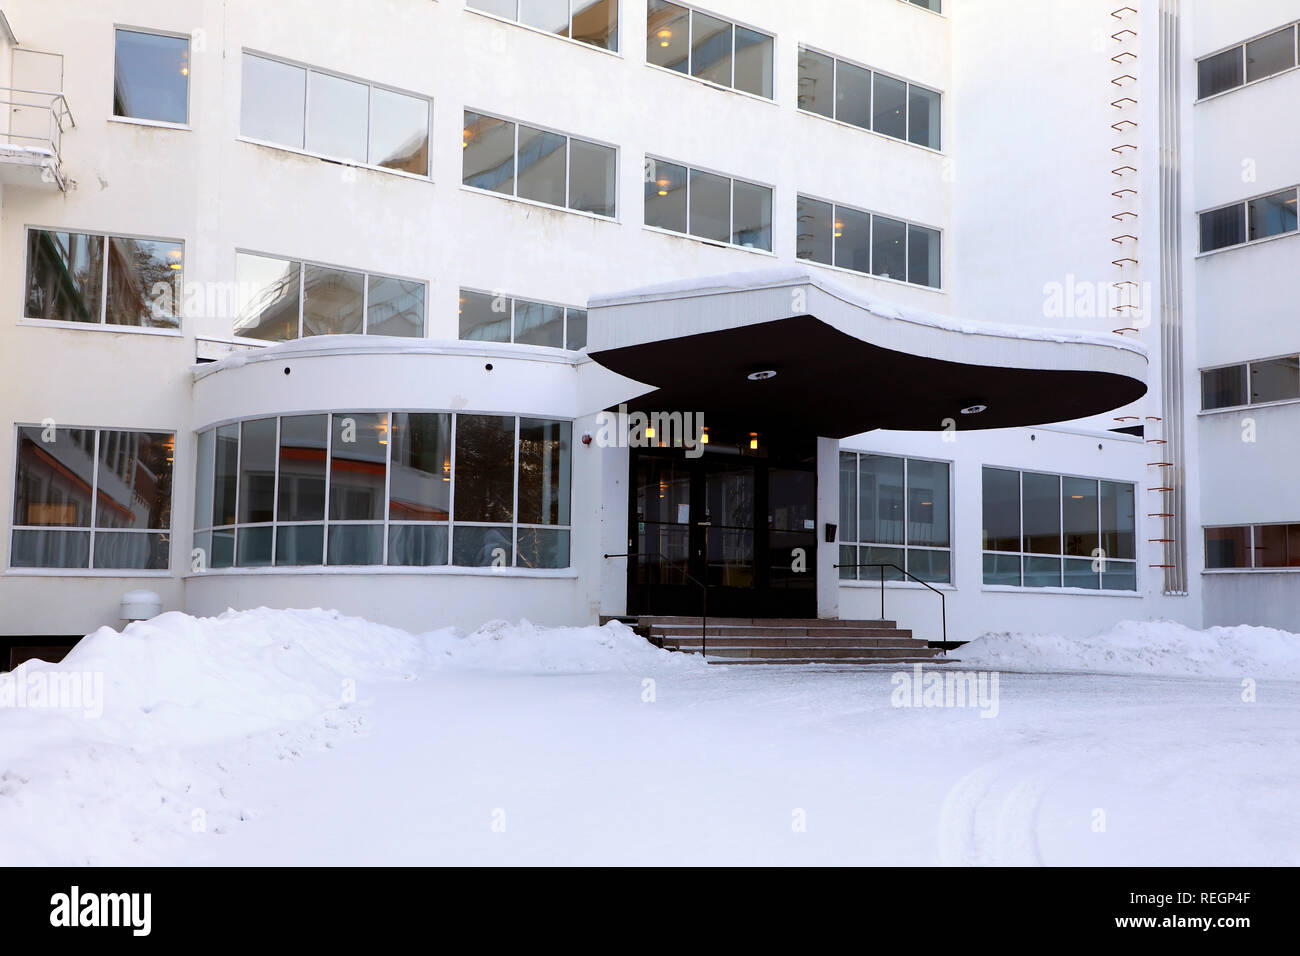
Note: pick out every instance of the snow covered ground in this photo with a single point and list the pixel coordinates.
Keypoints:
(305, 737)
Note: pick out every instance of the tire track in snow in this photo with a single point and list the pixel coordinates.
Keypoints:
(990, 816)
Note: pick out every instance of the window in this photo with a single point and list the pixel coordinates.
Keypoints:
(709, 48)
(1249, 221)
(281, 299)
(103, 280)
(935, 5)
(377, 488)
(1044, 530)
(864, 242)
(894, 511)
(1247, 62)
(838, 89)
(1251, 383)
(531, 163)
(334, 117)
(1258, 547)
(151, 77)
(493, 317)
(707, 205)
(594, 22)
(92, 499)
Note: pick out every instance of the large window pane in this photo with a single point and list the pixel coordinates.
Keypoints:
(273, 102)
(544, 448)
(753, 62)
(484, 317)
(1271, 54)
(1223, 227)
(539, 324)
(1118, 520)
(1223, 387)
(65, 276)
(576, 324)
(355, 544)
(132, 551)
(477, 546)
(543, 548)
(710, 48)
(485, 469)
(50, 549)
(751, 216)
(1001, 513)
(596, 22)
(852, 235)
(151, 77)
(848, 497)
(1079, 516)
(1270, 546)
(667, 39)
(1275, 380)
(923, 256)
(889, 107)
(257, 471)
(880, 500)
(549, 15)
(399, 132)
(299, 544)
(927, 502)
(225, 477)
(395, 307)
(852, 94)
(888, 248)
(303, 440)
(267, 298)
(1042, 513)
(357, 455)
(923, 117)
(53, 480)
(813, 230)
(1227, 547)
(338, 116)
(134, 487)
(710, 206)
(488, 153)
(665, 195)
(592, 177)
(1271, 215)
(816, 83)
(420, 483)
(332, 301)
(204, 461)
(1220, 72)
(541, 165)
(144, 282)
(417, 545)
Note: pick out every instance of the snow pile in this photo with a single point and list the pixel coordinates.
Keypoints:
(1161, 648)
(500, 645)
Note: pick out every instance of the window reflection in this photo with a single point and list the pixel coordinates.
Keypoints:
(65, 276)
(151, 77)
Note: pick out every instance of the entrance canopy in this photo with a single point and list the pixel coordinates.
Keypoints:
(846, 362)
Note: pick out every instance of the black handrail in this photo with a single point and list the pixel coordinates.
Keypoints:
(704, 600)
(943, 603)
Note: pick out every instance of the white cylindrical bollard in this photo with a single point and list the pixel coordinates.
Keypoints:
(140, 605)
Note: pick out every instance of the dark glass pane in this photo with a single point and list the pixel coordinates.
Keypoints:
(880, 500)
(932, 566)
(927, 502)
(751, 225)
(1079, 573)
(710, 48)
(891, 558)
(577, 329)
(1001, 512)
(542, 161)
(710, 206)
(254, 547)
(1275, 380)
(225, 476)
(1042, 514)
(813, 230)
(338, 117)
(1223, 227)
(65, 276)
(144, 282)
(1042, 572)
(420, 483)
(852, 235)
(484, 317)
(399, 132)
(816, 83)
(923, 256)
(54, 477)
(1223, 387)
(667, 36)
(1270, 546)
(1079, 516)
(665, 195)
(888, 252)
(1002, 569)
(355, 544)
(134, 551)
(485, 468)
(543, 548)
(537, 323)
(395, 307)
(151, 77)
(303, 440)
(273, 104)
(50, 549)
(1118, 520)
(852, 94)
(596, 22)
(847, 562)
(1271, 215)
(417, 545)
(592, 177)
(923, 117)
(753, 62)
(268, 297)
(135, 480)
(1271, 54)
(544, 448)
(1227, 547)
(357, 456)
(848, 497)
(482, 547)
(488, 153)
(332, 301)
(889, 107)
(935, 5)
(1119, 576)
(205, 454)
(1220, 72)
(223, 549)
(299, 544)
(257, 471)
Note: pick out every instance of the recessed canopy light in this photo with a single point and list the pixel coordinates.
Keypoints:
(762, 376)
(975, 409)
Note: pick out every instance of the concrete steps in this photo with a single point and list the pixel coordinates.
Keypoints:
(789, 641)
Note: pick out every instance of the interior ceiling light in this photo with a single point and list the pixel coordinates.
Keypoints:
(974, 409)
(762, 376)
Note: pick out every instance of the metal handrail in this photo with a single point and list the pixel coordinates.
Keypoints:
(60, 120)
(704, 600)
(943, 601)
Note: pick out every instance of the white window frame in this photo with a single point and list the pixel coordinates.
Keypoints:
(515, 21)
(690, 53)
(731, 211)
(1295, 35)
(1247, 364)
(907, 251)
(189, 80)
(1245, 212)
(525, 298)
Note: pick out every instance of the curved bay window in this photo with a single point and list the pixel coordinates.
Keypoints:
(401, 489)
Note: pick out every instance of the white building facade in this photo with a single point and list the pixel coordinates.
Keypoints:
(299, 303)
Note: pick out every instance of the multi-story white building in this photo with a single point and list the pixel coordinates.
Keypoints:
(320, 303)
